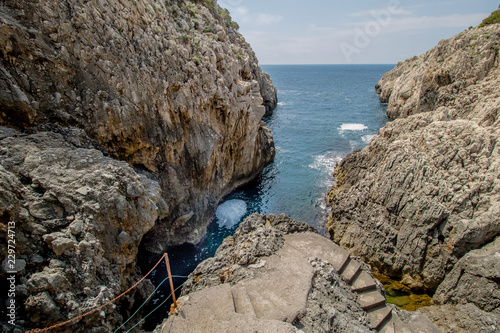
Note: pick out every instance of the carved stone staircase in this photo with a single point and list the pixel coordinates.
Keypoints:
(276, 297)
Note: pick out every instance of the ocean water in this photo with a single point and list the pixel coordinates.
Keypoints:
(324, 112)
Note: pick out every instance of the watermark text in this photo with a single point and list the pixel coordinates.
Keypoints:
(10, 268)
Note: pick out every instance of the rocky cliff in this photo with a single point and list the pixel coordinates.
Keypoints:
(422, 201)
(169, 87)
(123, 123)
(278, 275)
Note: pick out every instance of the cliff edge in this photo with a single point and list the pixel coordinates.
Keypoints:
(122, 124)
(421, 202)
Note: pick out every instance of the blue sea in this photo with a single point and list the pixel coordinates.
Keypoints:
(324, 112)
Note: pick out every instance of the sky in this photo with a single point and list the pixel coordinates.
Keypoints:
(352, 31)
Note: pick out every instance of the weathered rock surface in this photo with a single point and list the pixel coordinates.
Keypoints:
(170, 87)
(474, 279)
(462, 318)
(426, 190)
(79, 219)
(276, 275)
(122, 124)
(456, 66)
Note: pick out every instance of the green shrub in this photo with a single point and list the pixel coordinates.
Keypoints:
(224, 16)
(208, 29)
(492, 19)
(234, 25)
(156, 6)
(210, 4)
(197, 59)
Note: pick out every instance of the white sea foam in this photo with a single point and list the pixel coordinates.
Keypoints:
(352, 127)
(367, 138)
(230, 213)
(326, 162)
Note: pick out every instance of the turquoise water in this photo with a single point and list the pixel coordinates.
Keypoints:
(324, 112)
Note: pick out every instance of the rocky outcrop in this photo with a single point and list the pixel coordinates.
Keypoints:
(469, 295)
(169, 87)
(123, 123)
(426, 188)
(462, 318)
(474, 279)
(79, 219)
(434, 79)
(425, 191)
(277, 275)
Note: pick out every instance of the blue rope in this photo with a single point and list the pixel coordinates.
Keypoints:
(154, 309)
(147, 299)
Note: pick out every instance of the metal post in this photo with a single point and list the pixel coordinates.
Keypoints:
(172, 309)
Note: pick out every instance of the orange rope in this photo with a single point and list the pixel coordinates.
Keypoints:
(38, 330)
(172, 308)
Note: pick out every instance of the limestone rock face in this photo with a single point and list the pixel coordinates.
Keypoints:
(169, 87)
(426, 190)
(122, 124)
(79, 219)
(255, 237)
(474, 279)
(428, 81)
(462, 318)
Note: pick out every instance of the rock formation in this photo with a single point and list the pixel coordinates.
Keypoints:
(80, 217)
(278, 275)
(169, 87)
(421, 202)
(122, 123)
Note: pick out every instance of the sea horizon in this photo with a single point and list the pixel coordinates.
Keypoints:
(381, 64)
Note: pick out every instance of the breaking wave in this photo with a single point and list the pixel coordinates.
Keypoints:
(230, 213)
(352, 127)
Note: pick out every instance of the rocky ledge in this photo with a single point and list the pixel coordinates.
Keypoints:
(278, 275)
(421, 202)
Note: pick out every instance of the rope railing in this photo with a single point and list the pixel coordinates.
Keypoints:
(164, 256)
(159, 306)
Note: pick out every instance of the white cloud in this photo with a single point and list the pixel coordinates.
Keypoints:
(240, 11)
(424, 22)
(243, 15)
(266, 19)
(240, 14)
(431, 22)
(392, 10)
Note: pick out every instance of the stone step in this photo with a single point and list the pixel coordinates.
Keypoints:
(363, 282)
(379, 316)
(281, 291)
(388, 327)
(350, 270)
(242, 302)
(314, 245)
(371, 299)
(396, 325)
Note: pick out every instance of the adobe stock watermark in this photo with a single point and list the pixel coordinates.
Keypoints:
(10, 269)
(363, 36)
